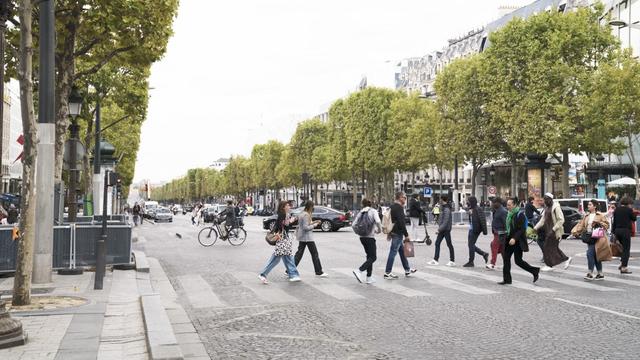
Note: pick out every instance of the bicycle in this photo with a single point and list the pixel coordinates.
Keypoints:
(236, 235)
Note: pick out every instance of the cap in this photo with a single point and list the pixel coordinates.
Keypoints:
(549, 195)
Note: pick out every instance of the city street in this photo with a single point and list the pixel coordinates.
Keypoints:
(441, 312)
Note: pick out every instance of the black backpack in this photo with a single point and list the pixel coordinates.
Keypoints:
(363, 223)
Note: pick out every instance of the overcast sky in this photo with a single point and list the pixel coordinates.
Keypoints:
(239, 73)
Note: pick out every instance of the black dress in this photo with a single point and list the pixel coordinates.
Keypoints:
(551, 249)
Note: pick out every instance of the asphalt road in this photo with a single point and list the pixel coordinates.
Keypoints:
(452, 313)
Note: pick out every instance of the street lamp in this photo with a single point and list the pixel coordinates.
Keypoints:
(492, 173)
(619, 23)
(75, 107)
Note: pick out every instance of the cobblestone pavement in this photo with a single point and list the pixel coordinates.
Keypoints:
(454, 313)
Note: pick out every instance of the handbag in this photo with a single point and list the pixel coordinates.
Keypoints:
(597, 233)
(272, 238)
(616, 247)
(409, 250)
(603, 250)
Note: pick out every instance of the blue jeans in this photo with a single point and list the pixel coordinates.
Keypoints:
(288, 261)
(396, 248)
(592, 259)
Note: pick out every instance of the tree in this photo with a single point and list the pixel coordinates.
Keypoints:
(537, 70)
(24, 263)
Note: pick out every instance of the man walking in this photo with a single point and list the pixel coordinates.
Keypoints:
(498, 228)
(415, 212)
(444, 232)
(136, 214)
(477, 226)
(367, 222)
(517, 244)
(398, 232)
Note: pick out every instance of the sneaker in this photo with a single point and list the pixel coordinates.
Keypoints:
(370, 280)
(567, 263)
(408, 273)
(486, 258)
(451, 264)
(546, 268)
(625, 270)
(358, 275)
(469, 264)
(295, 279)
(432, 262)
(599, 277)
(263, 279)
(588, 277)
(323, 275)
(490, 266)
(390, 276)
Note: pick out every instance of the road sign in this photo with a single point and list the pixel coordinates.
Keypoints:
(492, 190)
(428, 191)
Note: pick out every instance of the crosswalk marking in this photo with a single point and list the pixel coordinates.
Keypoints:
(495, 279)
(610, 272)
(451, 284)
(390, 286)
(607, 279)
(334, 290)
(271, 293)
(547, 276)
(199, 292)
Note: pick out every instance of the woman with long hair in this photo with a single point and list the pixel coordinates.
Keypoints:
(552, 224)
(585, 230)
(304, 234)
(283, 248)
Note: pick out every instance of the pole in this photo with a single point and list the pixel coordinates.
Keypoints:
(4, 14)
(73, 173)
(96, 161)
(46, 148)
(100, 248)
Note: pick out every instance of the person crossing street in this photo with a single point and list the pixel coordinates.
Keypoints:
(444, 232)
(398, 232)
(477, 226)
(517, 244)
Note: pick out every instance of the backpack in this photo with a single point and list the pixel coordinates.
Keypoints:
(387, 225)
(526, 220)
(363, 223)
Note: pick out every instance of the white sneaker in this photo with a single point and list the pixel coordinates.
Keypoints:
(567, 263)
(358, 275)
(295, 279)
(451, 263)
(432, 262)
(323, 275)
(370, 280)
(263, 279)
(490, 266)
(546, 268)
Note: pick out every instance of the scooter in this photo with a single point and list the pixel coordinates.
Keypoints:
(427, 239)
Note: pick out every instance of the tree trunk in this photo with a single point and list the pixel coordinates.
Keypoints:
(632, 157)
(354, 187)
(474, 177)
(565, 174)
(24, 265)
(514, 176)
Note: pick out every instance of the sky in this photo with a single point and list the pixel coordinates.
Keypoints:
(243, 72)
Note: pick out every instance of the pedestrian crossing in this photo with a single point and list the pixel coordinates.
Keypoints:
(430, 281)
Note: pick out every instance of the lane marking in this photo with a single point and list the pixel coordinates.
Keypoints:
(199, 292)
(390, 286)
(333, 290)
(545, 276)
(271, 293)
(494, 279)
(598, 308)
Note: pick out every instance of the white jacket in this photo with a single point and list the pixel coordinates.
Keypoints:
(558, 220)
(377, 228)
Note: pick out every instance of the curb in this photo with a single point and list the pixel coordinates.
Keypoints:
(140, 259)
(161, 341)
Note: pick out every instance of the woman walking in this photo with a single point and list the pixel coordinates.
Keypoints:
(585, 230)
(552, 222)
(304, 234)
(369, 219)
(283, 250)
(623, 217)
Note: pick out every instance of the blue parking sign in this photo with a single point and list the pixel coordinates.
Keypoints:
(428, 191)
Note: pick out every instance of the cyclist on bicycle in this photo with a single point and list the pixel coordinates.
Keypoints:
(227, 218)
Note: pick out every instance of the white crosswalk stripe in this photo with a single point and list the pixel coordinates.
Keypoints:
(549, 276)
(271, 293)
(199, 292)
(390, 286)
(452, 284)
(607, 279)
(332, 289)
(494, 279)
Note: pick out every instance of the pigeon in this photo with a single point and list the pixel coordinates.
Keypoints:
(178, 236)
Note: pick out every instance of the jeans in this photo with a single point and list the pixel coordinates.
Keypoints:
(496, 247)
(314, 255)
(473, 249)
(415, 222)
(369, 245)
(516, 251)
(396, 248)
(135, 220)
(447, 236)
(592, 259)
(624, 236)
(288, 263)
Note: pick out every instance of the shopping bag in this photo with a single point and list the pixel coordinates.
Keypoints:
(603, 250)
(616, 247)
(409, 251)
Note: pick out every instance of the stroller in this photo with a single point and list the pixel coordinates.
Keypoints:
(427, 239)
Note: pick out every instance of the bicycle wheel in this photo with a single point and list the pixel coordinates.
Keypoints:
(237, 236)
(207, 236)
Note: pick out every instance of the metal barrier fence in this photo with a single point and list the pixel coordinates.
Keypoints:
(459, 217)
(74, 244)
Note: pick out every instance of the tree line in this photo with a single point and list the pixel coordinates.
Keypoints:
(553, 84)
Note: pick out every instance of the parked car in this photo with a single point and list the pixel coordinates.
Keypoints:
(330, 219)
(263, 212)
(187, 209)
(581, 204)
(176, 209)
(571, 217)
(162, 214)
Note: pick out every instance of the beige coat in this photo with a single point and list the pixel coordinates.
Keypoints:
(581, 227)
(558, 220)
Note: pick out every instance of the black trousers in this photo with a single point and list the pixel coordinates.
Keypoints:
(447, 236)
(516, 251)
(369, 245)
(314, 255)
(624, 236)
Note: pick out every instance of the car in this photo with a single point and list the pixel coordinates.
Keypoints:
(187, 209)
(581, 204)
(330, 219)
(162, 214)
(572, 217)
(176, 209)
(263, 212)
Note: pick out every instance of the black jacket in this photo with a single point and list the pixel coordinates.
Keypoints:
(499, 222)
(530, 211)
(397, 218)
(622, 218)
(518, 231)
(415, 211)
(478, 221)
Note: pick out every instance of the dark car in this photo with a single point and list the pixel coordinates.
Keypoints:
(571, 217)
(187, 209)
(263, 212)
(330, 219)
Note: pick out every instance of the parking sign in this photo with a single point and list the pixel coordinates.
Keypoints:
(428, 191)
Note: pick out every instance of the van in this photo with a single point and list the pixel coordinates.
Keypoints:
(581, 204)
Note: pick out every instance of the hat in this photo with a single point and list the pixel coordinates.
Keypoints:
(549, 195)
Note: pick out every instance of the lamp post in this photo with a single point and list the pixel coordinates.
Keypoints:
(75, 107)
(492, 173)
